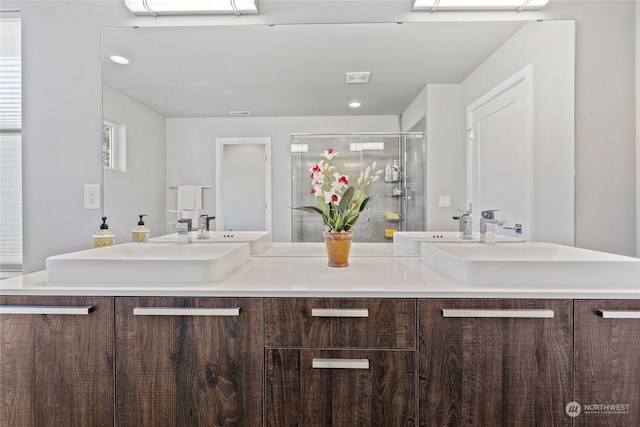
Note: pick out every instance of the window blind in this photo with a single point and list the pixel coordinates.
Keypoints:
(10, 75)
(10, 145)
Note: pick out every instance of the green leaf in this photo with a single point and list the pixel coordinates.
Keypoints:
(346, 199)
(365, 202)
(310, 209)
(350, 220)
(322, 205)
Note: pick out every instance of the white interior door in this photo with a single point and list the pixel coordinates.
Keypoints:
(500, 152)
(243, 184)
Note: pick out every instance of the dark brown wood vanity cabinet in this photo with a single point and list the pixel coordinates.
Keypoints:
(607, 363)
(495, 362)
(56, 361)
(340, 362)
(189, 361)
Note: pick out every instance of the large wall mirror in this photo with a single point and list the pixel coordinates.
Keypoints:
(184, 87)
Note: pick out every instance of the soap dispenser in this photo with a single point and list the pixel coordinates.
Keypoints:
(104, 237)
(141, 232)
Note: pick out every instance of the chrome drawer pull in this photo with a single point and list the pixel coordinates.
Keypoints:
(340, 312)
(533, 313)
(340, 364)
(619, 314)
(185, 311)
(45, 309)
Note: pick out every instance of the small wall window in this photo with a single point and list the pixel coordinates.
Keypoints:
(107, 145)
(114, 146)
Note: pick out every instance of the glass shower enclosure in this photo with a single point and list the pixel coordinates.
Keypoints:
(399, 202)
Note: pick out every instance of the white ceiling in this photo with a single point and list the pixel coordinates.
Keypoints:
(294, 70)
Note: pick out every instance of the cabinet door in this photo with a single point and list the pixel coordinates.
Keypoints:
(482, 364)
(56, 361)
(607, 363)
(189, 362)
(340, 388)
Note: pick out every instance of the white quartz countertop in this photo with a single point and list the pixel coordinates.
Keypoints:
(300, 270)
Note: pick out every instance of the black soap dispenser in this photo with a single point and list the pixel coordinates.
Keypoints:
(104, 237)
(140, 234)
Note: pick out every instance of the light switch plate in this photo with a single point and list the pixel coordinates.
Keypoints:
(444, 201)
(92, 196)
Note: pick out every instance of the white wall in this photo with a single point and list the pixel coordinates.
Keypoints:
(62, 109)
(415, 111)
(191, 152)
(145, 166)
(548, 46)
(445, 160)
(637, 130)
(605, 124)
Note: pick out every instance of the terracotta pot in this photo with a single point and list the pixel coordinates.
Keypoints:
(338, 246)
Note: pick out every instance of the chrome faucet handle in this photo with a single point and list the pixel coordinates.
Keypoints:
(463, 213)
(489, 214)
(517, 228)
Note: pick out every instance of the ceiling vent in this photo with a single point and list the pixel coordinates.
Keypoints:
(357, 77)
(239, 113)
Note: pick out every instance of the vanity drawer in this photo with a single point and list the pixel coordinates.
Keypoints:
(311, 387)
(340, 323)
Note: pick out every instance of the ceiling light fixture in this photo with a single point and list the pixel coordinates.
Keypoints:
(119, 59)
(478, 5)
(191, 7)
(354, 104)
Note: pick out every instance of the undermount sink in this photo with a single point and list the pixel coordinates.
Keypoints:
(144, 264)
(257, 240)
(409, 241)
(531, 264)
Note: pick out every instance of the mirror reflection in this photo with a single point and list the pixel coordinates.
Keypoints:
(184, 87)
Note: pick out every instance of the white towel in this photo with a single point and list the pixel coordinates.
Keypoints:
(190, 202)
(186, 197)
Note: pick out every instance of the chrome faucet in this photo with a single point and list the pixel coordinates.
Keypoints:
(182, 227)
(487, 217)
(464, 224)
(488, 224)
(203, 225)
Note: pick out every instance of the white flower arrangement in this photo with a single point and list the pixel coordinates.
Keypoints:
(339, 204)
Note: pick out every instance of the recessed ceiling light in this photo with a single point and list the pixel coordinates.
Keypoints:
(119, 59)
(354, 104)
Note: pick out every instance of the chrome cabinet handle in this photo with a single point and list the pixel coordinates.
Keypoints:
(340, 364)
(185, 311)
(619, 314)
(340, 312)
(45, 309)
(507, 313)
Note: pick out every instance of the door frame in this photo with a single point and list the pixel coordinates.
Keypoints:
(220, 143)
(522, 77)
